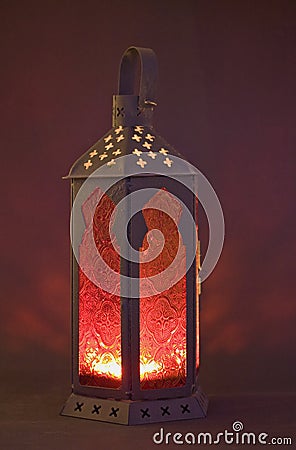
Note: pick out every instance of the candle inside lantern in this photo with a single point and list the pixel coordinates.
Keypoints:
(110, 367)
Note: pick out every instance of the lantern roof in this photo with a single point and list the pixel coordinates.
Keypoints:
(144, 145)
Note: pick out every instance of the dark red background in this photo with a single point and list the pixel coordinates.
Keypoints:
(226, 101)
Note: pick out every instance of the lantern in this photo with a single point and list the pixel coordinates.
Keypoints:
(135, 264)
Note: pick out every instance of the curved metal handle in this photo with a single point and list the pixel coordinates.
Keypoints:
(148, 76)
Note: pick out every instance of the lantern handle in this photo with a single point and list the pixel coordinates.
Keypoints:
(148, 75)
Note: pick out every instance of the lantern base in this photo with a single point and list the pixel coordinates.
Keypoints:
(128, 412)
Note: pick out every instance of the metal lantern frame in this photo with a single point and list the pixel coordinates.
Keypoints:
(129, 404)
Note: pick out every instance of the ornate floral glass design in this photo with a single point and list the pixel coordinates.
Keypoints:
(163, 316)
(99, 311)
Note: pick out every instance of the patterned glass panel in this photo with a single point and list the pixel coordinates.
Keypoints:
(99, 311)
(163, 316)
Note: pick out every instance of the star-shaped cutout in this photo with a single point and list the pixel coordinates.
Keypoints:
(88, 164)
(93, 153)
(110, 145)
(163, 151)
(147, 145)
(141, 163)
(117, 152)
(103, 156)
(120, 138)
(136, 138)
(137, 152)
(108, 138)
(149, 137)
(152, 154)
(168, 162)
(139, 129)
(111, 163)
(119, 129)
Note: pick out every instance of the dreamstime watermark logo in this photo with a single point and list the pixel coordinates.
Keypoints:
(106, 177)
(235, 436)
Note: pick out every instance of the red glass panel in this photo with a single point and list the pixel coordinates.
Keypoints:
(163, 316)
(99, 311)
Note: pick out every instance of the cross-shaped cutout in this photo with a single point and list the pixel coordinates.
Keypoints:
(103, 156)
(120, 112)
(120, 138)
(149, 137)
(141, 163)
(96, 409)
(108, 138)
(152, 154)
(168, 162)
(78, 406)
(145, 413)
(93, 153)
(139, 129)
(185, 408)
(136, 138)
(88, 164)
(119, 129)
(165, 410)
(137, 152)
(111, 163)
(114, 412)
(110, 145)
(147, 145)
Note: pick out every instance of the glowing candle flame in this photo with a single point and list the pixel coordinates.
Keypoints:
(112, 368)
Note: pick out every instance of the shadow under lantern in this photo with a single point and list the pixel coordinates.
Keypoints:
(135, 309)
